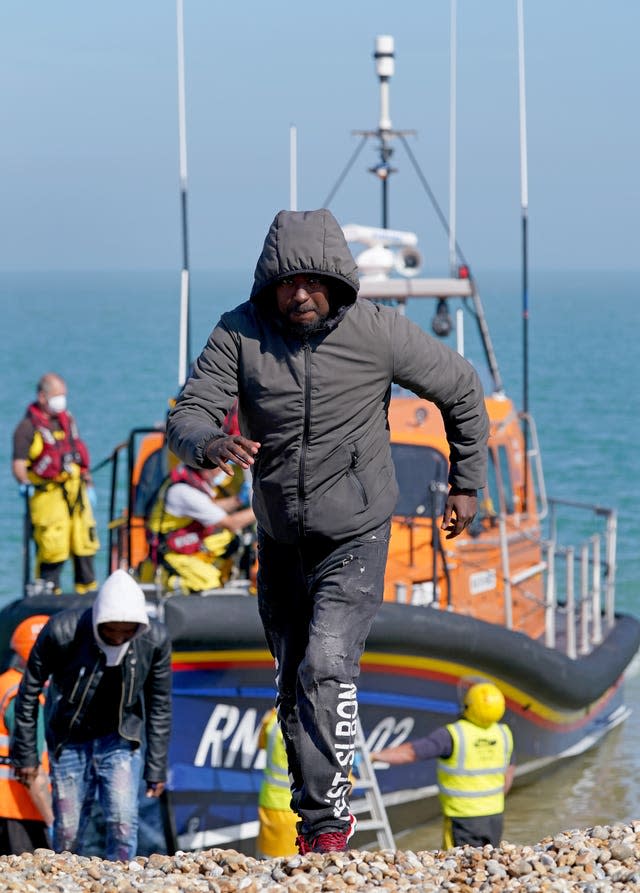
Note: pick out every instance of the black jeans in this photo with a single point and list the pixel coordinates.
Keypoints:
(473, 830)
(317, 600)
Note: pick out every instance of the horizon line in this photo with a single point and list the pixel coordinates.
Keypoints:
(243, 270)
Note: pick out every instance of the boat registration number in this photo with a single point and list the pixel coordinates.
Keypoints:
(482, 581)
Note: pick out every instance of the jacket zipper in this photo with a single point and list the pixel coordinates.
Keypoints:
(74, 690)
(84, 693)
(132, 682)
(121, 710)
(305, 435)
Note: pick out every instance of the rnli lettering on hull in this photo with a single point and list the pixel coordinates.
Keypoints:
(230, 740)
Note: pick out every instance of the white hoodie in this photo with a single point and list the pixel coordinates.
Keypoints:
(119, 600)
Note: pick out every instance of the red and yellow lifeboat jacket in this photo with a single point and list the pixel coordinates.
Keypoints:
(168, 533)
(61, 446)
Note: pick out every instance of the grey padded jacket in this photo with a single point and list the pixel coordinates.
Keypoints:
(318, 403)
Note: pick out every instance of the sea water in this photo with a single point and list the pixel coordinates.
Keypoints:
(114, 338)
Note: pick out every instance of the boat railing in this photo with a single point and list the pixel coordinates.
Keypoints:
(535, 460)
(581, 579)
(122, 522)
(578, 580)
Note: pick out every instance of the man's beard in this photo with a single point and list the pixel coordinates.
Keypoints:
(306, 328)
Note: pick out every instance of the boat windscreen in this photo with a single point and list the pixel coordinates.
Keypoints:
(422, 473)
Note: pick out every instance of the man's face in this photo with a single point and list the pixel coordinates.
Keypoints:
(117, 632)
(303, 301)
(54, 399)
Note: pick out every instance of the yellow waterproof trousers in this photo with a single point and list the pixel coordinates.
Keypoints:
(277, 834)
(193, 573)
(63, 522)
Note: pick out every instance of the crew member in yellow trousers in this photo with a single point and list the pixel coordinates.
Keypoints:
(23, 825)
(277, 834)
(52, 463)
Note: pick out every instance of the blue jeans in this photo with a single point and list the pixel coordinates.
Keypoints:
(317, 601)
(111, 766)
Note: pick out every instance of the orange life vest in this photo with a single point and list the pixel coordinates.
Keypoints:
(15, 802)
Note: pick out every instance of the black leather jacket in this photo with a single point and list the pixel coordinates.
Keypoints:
(66, 653)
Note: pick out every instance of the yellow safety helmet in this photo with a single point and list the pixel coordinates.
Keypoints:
(25, 634)
(484, 704)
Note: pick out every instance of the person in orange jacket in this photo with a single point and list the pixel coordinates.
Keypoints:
(23, 823)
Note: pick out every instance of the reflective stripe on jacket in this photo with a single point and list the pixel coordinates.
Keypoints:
(471, 780)
(15, 802)
(275, 792)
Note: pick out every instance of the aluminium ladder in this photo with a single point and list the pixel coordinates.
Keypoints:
(371, 802)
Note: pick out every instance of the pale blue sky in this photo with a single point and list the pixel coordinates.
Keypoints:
(89, 137)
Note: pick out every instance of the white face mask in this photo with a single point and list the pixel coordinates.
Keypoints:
(57, 404)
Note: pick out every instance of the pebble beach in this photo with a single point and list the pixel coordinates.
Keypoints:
(595, 860)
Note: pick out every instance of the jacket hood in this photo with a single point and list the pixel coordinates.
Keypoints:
(307, 242)
(119, 600)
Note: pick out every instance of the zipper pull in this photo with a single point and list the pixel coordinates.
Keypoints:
(77, 684)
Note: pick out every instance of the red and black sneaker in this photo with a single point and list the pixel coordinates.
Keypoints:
(303, 843)
(334, 841)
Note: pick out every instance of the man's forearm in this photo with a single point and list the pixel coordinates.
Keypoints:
(24, 742)
(396, 756)
(19, 470)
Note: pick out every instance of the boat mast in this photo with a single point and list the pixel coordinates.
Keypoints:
(293, 168)
(453, 65)
(384, 56)
(385, 66)
(184, 347)
(524, 203)
(453, 139)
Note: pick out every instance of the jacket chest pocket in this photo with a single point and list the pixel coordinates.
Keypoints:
(356, 480)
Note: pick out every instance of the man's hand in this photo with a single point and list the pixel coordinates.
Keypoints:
(154, 788)
(26, 775)
(232, 448)
(459, 511)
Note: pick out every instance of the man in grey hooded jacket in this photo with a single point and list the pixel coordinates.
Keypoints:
(312, 369)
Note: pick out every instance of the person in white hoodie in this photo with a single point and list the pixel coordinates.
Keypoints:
(110, 690)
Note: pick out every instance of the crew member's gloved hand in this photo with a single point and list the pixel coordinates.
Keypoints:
(92, 496)
(25, 489)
